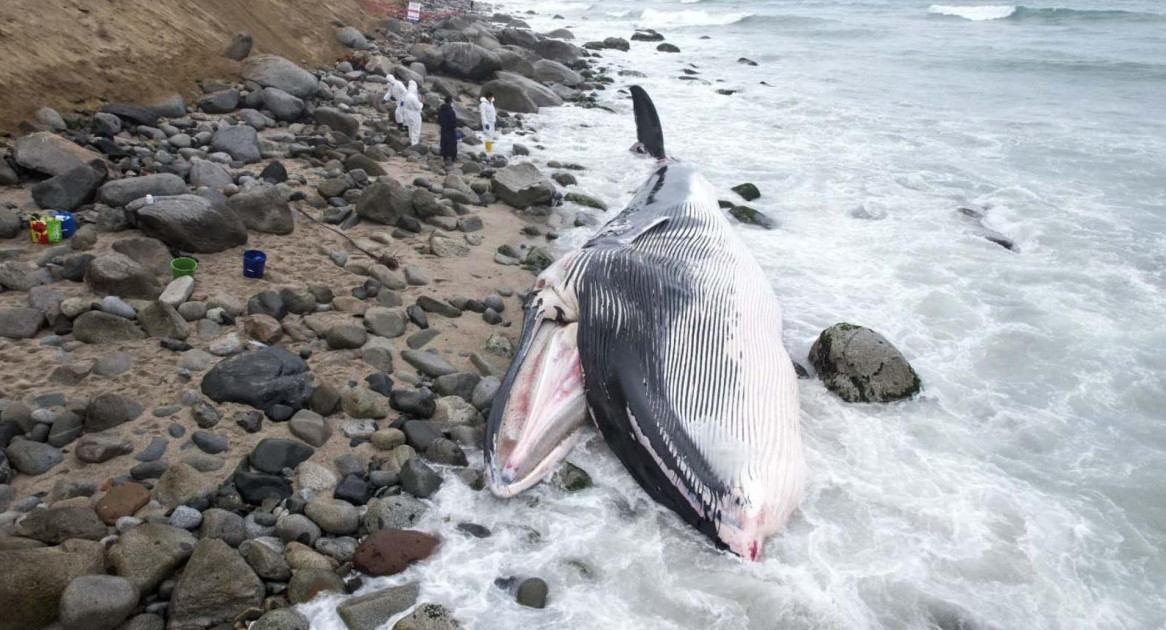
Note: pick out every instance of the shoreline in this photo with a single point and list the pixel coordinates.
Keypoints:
(52, 381)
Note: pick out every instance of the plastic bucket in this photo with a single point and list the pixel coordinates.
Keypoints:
(68, 224)
(253, 263)
(183, 267)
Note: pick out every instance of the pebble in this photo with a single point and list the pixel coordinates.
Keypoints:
(210, 443)
(418, 479)
(491, 317)
(473, 529)
(153, 451)
(184, 517)
(176, 430)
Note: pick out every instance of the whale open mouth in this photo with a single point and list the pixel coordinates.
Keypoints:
(539, 409)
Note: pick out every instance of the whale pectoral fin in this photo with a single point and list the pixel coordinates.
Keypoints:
(658, 453)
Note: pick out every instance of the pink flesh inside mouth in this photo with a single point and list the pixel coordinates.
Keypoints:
(544, 412)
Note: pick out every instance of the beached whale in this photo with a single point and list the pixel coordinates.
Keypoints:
(665, 330)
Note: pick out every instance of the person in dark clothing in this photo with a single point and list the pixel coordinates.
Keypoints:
(447, 118)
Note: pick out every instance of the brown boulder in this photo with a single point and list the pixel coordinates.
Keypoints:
(122, 500)
(391, 551)
(263, 328)
(32, 580)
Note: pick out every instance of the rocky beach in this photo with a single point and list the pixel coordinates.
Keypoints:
(212, 450)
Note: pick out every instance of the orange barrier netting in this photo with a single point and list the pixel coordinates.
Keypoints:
(399, 11)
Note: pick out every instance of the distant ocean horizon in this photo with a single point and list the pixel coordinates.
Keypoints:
(1023, 488)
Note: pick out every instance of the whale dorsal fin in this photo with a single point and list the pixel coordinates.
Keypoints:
(648, 130)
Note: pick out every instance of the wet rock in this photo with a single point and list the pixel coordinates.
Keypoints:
(307, 583)
(428, 617)
(216, 586)
(747, 191)
(393, 512)
(443, 451)
(860, 365)
(371, 611)
(419, 479)
(532, 593)
(749, 216)
(352, 489)
(281, 619)
(389, 552)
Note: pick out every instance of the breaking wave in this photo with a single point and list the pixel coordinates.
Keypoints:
(980, 13)
(653, 18)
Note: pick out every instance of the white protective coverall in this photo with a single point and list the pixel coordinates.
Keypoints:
(489, 118)
(397, 91)
(412, 113)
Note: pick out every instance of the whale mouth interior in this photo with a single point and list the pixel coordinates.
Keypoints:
(541, 412)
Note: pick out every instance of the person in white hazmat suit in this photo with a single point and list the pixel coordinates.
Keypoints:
(412, 114)
(489, 119)
(397, 92)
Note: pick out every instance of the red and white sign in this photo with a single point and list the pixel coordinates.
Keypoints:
(414, 14)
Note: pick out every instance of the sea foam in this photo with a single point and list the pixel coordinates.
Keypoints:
(974, 13)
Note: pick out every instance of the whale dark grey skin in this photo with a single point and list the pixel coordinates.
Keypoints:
(665, 330)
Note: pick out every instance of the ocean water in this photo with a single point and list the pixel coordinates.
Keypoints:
(1026, 486)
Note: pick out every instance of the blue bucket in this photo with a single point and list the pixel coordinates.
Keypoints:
(68, 224)
(253, 263)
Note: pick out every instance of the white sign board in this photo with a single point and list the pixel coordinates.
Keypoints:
(414, 14)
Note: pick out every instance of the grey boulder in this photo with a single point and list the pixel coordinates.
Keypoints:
(283, 106)
(277, 72)
(51, 154)
(261, 379)
(469, 61)
(523, 185)
(118, 274)
(120, 192)
(70, 190)
(860, 365)
(191, 223)
(97, 602)
(263, 209)
(241, 142)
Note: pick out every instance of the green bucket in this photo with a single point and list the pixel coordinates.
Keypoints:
(183, 267)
